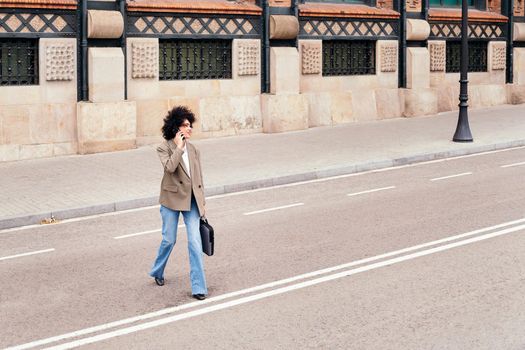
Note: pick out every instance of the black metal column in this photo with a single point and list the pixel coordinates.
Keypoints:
(463, 133)
(84, 50)
(123, 45)
(508, 10)
(265, 57)
(402, 78)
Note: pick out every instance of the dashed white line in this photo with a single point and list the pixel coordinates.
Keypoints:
(27, 254)
(371, 191)
(141, 233)
(274, 208)
(450, 176)
(511, 165)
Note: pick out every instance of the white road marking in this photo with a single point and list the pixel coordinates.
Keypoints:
(166, 311)
(371, 191)
(511, 165)
(14, 229)
(293, 287)
(142, 233)
(27, 254)
(450, 176)
(274, 208)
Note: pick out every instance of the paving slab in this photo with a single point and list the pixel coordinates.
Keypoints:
(80, 185)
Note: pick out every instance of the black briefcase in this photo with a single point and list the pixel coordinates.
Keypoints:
(207, 237)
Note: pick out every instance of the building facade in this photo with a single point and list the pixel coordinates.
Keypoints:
(94, 76)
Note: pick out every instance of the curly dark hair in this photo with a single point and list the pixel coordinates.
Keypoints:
(174, 120)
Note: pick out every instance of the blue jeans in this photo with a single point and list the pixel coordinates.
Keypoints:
(170, 220)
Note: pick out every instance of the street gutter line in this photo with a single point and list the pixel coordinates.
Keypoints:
(275, 208)
(162, 312)
(27, 254)
(511, 165)
(450, 176)
(252, 298)
(299, 183)
(370, 191)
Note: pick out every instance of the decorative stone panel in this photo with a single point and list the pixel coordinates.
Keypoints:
(249, 58)
(499, 56)
(60, 62)
(388, 57)
(311, 58)
(145, 59)
(413, 5)
(63, 24)
(475, 30)
(341, 27)
(519, 7)
(437, 55)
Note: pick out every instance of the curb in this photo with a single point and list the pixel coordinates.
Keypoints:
(31, 219)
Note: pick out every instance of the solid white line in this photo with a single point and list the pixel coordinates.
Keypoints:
(511, 165)
(27, 254)
(142, 233)
(450, 176)
(282, 290)
(277, 283)
(370, 191)
(275, 208)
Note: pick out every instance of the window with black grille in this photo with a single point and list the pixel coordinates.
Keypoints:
(343, 57)
(18, 62)
(195, 59)
(477, 56)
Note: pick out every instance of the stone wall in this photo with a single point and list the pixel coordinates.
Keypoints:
(40, 121)
(223, 106)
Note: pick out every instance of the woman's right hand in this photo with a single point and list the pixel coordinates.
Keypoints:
(179, 140)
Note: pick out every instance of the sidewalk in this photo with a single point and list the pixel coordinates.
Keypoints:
(74, 186)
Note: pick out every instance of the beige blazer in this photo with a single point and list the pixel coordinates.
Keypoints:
(177, 186)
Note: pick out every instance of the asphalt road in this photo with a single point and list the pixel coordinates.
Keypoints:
(429, 256)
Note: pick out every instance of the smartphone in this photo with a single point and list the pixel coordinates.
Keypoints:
(175, 131)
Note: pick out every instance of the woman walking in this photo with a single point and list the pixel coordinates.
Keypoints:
(181, 191)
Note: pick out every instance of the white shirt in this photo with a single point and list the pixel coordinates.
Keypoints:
(186, 160)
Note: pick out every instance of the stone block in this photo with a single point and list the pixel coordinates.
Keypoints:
(246, 58)
(58, 73)
(144, 59)
(437, 51)
(389, 103)
(141, 88)
(106, 74)
(516, 94)
(150, 116)
(310, 52)
(519, 31)
(9, 153)
(104, 127)
(487, 95)
(448, 98)
(15, 123)
(341, 107)
(364, 105)
(19, 95)
(283, 27)
(282, 113)
(284, 70)
(497, 55)
(387, 56)
(54, 123)
(246, 86)
(105, 24)
(319, 105)
(519, 65)
(230, 115)
(36, 151)
(417, 29)
(65, 148)
(420, 102)
(418, 68)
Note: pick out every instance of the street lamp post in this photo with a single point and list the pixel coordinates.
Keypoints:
(462, 133)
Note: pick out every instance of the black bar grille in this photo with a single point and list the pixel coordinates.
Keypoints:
(477, 56)
(349, 57)
(18, 62)
(195, 59)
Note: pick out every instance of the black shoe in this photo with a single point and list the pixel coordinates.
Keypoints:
(199, 296)
(159, 281)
